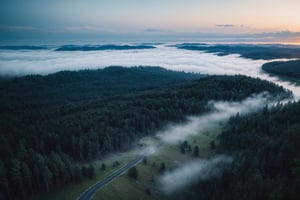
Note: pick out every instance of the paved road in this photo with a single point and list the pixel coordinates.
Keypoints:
(89, 193)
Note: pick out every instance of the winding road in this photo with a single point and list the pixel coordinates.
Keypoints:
(89, 193)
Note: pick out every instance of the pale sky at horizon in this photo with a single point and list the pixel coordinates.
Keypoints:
(150, 16)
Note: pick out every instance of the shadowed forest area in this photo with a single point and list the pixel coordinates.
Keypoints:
(288, 68)
(266, 52)
(266, 153)
(46, 130)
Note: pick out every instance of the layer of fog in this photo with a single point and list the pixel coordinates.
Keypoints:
(19, 63)
(221, 111)
(45, 61)
(205, 169)
(195, 171)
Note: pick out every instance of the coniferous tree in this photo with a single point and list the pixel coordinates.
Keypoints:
(47, 178)
(133, 172)
(196, 151)
(213, 145)
(78, 174)
(185, 144)
(84, 171)
(91, 172)
(145, 161)
(16, 177)
(182, 149)
(162, 167)
(103, 166)
(3, 181)
(27, 177)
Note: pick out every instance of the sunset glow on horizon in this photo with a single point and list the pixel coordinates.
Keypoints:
(151, 18)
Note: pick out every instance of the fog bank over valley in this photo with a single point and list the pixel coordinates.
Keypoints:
(221, 111)
(25, 62)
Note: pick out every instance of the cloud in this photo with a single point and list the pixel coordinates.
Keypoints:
(81, 28)
(226, 25)
(82, 33)
(153, 30)
(192, 172)
(19, 28)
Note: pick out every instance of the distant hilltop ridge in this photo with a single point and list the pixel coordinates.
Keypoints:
(102, 47)
(79, 47)
(288, 68)
(252, 51)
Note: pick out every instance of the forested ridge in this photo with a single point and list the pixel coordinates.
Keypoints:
(287, 68)
(80, 47)
(265, 146)
(67, 87)
(103, 47)
(257, 51)
(41, 145)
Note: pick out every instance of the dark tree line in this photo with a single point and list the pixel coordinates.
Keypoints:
(266, 52)
(287, 68)
(133, 173)
(69, 87)
(30, 172)
(266, 148)
(102, 47)
(41, 145)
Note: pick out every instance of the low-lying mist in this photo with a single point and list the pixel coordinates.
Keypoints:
(221, 111)
(24, 62)
(204, 169)
(191, 172)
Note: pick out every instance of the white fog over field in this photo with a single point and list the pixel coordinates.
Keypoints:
(194, 171)
(202, 169)
(221, 111)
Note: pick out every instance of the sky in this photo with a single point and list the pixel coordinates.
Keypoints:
(149, 20)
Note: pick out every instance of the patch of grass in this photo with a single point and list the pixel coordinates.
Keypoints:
(124, 188)
(127, 188)
(148, 174)
(204, 140)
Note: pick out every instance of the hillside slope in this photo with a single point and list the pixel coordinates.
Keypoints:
(265, 147)
(41, 146)
(288, 68)
(68, 87)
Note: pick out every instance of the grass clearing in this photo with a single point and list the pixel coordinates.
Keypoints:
(146, 186)
(126, 188)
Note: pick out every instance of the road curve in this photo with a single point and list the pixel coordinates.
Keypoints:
(89, 193)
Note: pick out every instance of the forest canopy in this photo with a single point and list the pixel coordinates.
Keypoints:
(286, 68)
(263, 51)
(265, 147)
(45, 130)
